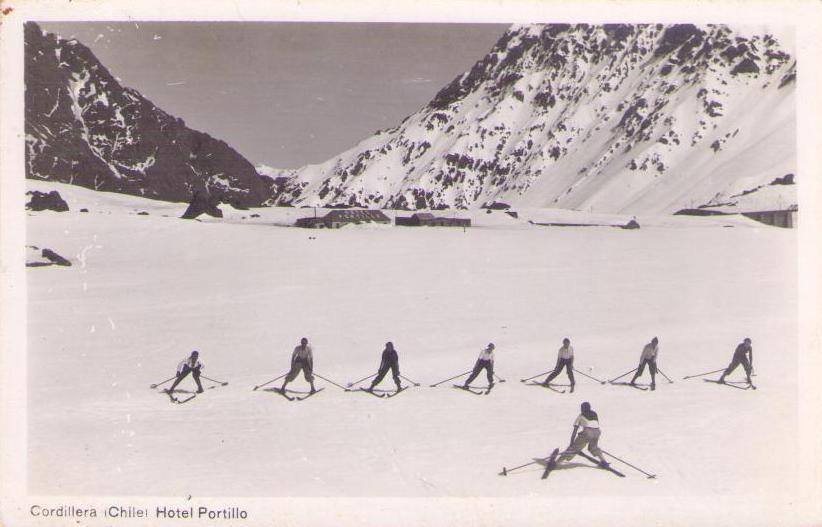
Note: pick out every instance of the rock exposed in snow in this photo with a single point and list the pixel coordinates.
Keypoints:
(202, 203)
(45, 257)
(46, 201)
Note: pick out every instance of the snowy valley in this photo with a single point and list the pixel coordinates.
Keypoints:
(145, 290)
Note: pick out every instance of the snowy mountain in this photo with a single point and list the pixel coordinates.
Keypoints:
(613, 118)
(84, 128)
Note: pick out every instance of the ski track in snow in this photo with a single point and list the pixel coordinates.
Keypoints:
(243, 295)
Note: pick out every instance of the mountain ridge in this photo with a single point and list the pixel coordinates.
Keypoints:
(609, 118)
(83, 127)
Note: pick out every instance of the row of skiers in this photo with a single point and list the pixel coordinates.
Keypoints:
(302, 360)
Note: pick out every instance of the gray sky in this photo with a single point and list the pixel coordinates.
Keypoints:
(285, 94)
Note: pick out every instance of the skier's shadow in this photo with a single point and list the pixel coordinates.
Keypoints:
(183, 390)
(573, 464)
(564, 466)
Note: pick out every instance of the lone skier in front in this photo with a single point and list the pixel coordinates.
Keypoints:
(588, 420)
(565, 359)
(192, 365)
(301, 359)
(742, 355)
(648, 358)
(391, 361)
(485, 361)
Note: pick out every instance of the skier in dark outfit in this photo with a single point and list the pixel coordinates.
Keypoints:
(648, 358)
(744, 356)
(485, 361)
(192, 365)
(391, 361)
(589, 421)
(565, 359)
(301, 359)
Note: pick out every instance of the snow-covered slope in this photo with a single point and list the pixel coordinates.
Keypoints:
(83, 127)
(614, 118)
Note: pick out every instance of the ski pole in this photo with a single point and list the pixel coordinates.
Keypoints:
(161, 383)
(535, 376)
(505, 471)
(221, 383)
(350, 384)
(650, 476)
(590, 377)
(451, 378)
(332, 382)
(500, 379)
(623, 375)
(272, 380)
(706, 373)
(663, 374)
(409, 380)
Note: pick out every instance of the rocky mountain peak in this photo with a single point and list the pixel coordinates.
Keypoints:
(83, 127)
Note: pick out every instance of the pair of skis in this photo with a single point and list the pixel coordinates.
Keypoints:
(739, 385)
(551, 463)
(552, 387)
(476, 391)
(285, 393)
(381, 393)
(179, 401)
(190, 397)
(632, 385)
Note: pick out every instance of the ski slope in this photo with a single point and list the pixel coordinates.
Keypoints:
(146, 290)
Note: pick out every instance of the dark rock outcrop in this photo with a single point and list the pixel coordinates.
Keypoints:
(55, 258)
(42, 201)
(44, 257)
(202, 203)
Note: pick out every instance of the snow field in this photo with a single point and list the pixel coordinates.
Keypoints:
(146, 290)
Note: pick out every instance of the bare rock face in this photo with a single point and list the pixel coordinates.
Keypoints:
(42, 201)
(202, 203)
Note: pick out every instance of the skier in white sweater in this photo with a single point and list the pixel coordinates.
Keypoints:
(565, 359)
(192, 365)
(485, 361)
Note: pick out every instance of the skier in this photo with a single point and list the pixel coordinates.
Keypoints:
(484, 361)
(648, 357)
(301, 359)
(565, 359)
(589, 422)
(391, 361)
(744, 356)
(192, 365)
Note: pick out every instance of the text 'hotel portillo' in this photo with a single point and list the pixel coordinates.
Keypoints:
(131, 512)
